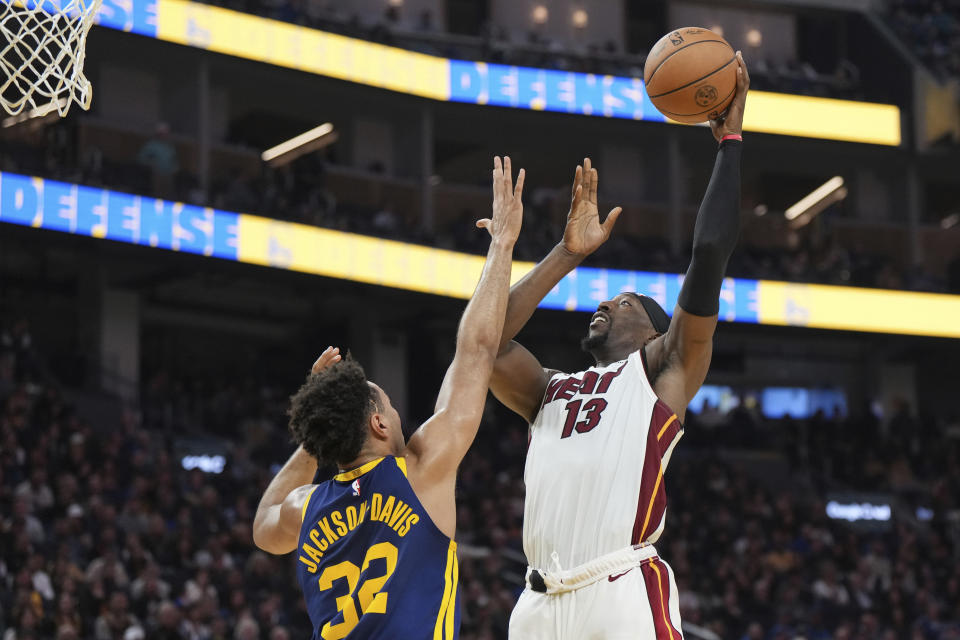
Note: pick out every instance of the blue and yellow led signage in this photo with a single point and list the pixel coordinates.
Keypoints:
(150, 222)
(296, 47)
(100, 213)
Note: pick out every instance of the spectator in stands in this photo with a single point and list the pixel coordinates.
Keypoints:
(933, 30)
(385, 222)
(425, 23)
(160, 156)
(115, 621)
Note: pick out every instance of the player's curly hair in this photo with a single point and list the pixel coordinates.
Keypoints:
(328, 414)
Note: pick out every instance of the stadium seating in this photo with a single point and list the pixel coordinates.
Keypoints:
(491, 43)
(104, 518)
(932, 29)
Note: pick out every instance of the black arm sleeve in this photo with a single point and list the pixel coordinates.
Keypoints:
(715, 234)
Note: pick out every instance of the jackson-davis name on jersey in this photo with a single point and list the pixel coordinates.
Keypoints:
(392, 512)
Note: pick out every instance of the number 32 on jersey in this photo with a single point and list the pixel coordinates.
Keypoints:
(367, 595)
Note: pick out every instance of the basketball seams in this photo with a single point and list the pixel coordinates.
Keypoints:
(693, 82)
(688, 115)
(660, 64)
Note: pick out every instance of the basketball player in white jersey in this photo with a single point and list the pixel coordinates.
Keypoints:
(601, 439)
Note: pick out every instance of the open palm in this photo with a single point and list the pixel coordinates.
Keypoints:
(507, 202)
(584, 232)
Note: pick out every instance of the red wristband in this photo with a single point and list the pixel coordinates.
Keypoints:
(731, 136)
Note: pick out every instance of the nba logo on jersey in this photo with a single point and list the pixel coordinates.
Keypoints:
(356, 487)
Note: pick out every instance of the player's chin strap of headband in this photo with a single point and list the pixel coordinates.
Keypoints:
(607, 566)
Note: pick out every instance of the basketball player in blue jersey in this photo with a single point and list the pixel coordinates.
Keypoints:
(375, 549)
(601, 439)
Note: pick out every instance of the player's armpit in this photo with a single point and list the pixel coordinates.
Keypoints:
(519, 381)
(679, 361)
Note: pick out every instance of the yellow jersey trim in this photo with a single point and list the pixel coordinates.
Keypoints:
(653, 497)
(303, 509)
(402, 463)
(663, 605)
(665, 425)
(346, 476)
(452, 607)
(444, 626)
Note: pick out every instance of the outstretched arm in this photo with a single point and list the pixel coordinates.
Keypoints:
(276, 525)
(681, 358)
(434, 452)
(518, 378)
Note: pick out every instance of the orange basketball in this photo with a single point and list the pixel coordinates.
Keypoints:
(691, 75)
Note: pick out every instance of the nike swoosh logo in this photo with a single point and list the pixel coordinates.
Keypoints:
(619, 575)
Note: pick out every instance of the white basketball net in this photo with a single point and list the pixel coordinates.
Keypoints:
(42, 47)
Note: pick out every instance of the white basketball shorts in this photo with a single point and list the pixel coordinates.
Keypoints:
(634, 597)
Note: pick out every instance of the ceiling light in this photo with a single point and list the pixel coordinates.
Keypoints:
(295, 147)
(580, 18)
(540, 14)
(833, 190)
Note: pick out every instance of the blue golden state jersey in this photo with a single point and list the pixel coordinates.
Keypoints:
(373, 565)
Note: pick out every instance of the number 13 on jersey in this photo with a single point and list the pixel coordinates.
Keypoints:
(592, 411)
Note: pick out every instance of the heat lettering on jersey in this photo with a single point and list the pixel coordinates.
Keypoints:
(592, 383)
(390, 511)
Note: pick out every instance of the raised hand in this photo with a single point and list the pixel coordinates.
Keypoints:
(584, 232)
(507, 205)
(330, 355)
(731, 122)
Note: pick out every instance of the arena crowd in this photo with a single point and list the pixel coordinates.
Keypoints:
(105, 535)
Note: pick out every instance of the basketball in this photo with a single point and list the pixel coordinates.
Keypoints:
(691, 75)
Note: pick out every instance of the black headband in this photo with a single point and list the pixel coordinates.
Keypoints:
(658, 317)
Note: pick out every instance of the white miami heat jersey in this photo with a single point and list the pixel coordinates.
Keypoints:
(594, 474)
